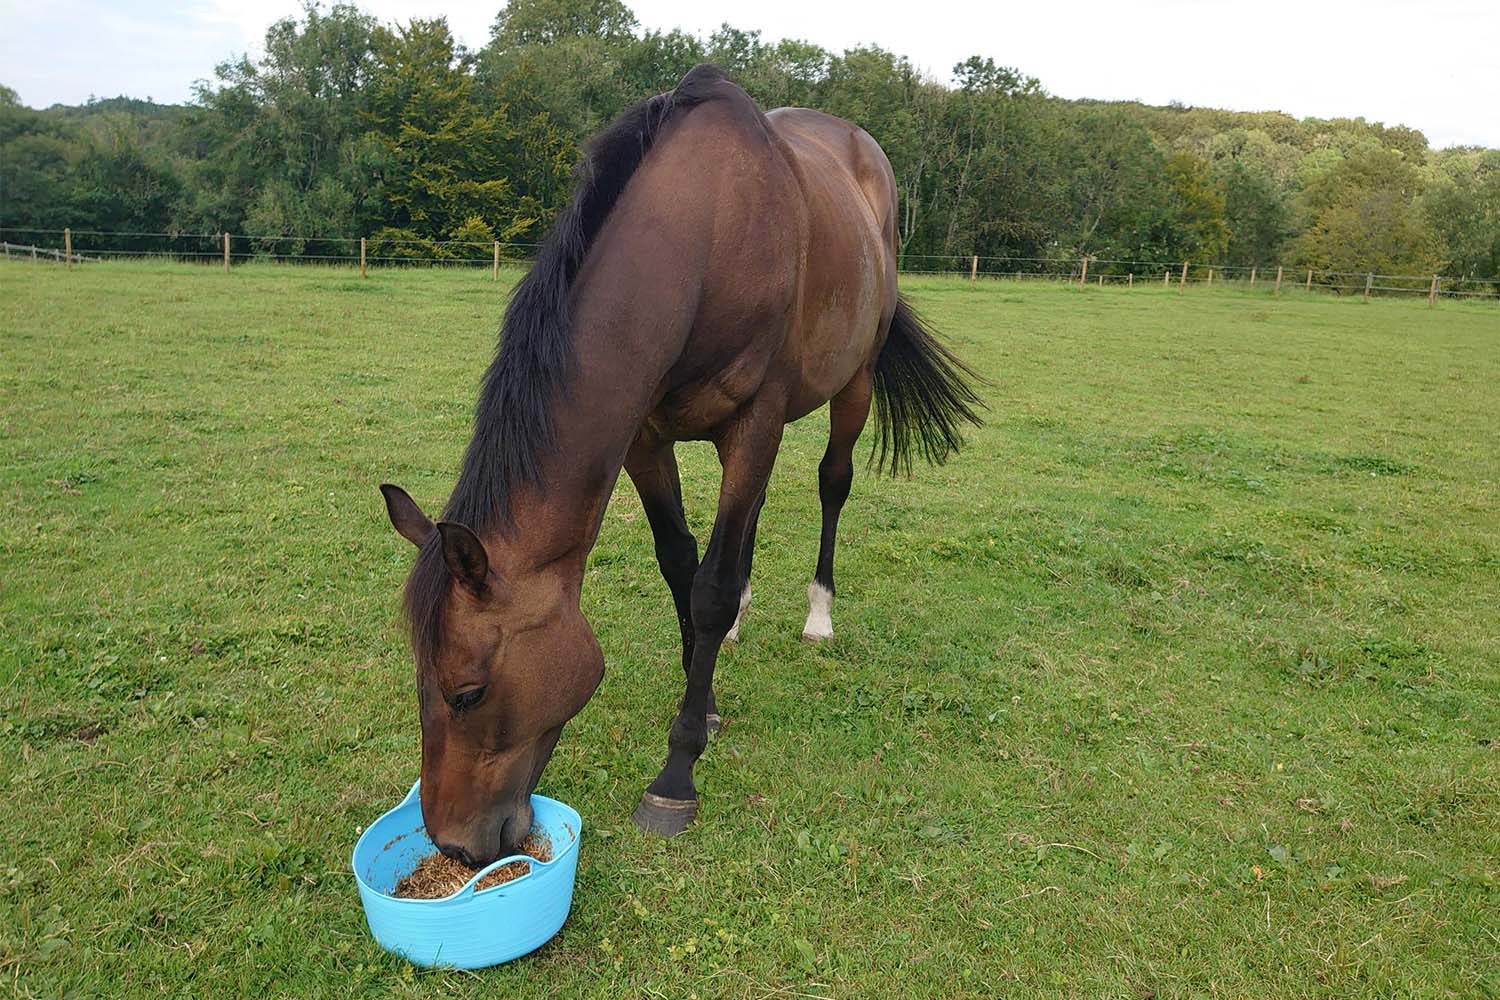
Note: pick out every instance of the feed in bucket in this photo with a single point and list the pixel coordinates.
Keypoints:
(438, 875)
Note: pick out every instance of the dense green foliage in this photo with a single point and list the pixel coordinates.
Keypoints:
(1181, 680)
(347, 127)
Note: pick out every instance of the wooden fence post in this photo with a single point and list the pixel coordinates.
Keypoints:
(1084, 277)
(33, 255)
(974, 269)
(362, 257)
(1210, 277)
(226, 253)
(1252, 276)
(1166, 279)
(1130, 280)
(1369, 280)
(1182, 281)
(495, 266)
(1432, 292)
(68, 245)
(1309, 279)
(1278, 280)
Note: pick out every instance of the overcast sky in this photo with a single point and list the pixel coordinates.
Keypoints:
(1432, 65)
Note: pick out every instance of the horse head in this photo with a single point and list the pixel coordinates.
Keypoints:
(502, 665)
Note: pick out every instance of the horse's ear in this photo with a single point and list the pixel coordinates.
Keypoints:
(465, 556)
(406, 517)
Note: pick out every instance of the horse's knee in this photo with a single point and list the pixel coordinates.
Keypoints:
(716, 598)
(677, 556)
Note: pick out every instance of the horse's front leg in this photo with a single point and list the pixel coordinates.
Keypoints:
(747, 452)
(652, 466)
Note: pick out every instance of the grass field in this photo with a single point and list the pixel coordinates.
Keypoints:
(1182, 681)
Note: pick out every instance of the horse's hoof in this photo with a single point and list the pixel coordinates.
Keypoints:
(815, 639)
(715, 723)
(663, 816)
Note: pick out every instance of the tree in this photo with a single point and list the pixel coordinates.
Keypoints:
(1256, 215)
(1364, 217)
(655, 62)
(1461, 202)
(994, 125)
(1195, 227)
(1373, 230)
(1112, 188)
(280, 142)
(119, 184)
(546, 22)
(449, 158)
(577, 49)
(34, 169)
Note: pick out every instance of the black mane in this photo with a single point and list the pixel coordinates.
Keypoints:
(514, 419)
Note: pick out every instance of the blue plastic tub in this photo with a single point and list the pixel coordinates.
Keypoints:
(467, 930)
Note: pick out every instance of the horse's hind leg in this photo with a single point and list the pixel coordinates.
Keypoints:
(847, 413)
(734, 630)
(747, 452)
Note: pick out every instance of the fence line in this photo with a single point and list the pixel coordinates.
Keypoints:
(36, 252)
(1274, 278)
(95, 245)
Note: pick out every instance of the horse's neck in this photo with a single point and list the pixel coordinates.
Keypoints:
(619, 364)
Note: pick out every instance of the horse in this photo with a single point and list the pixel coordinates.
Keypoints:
(718, 273)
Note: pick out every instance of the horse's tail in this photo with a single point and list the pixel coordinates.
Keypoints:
(923, 392)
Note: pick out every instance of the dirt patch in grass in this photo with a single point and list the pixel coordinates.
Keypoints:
(90, 733)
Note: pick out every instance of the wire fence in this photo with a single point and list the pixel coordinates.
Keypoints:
(228, 249)
(90, 246)
(1178, 274)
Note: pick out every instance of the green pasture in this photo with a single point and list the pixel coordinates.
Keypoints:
(1183, 680)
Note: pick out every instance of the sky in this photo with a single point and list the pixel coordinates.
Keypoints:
(1431, 65)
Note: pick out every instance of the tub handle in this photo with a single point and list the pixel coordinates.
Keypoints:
(531, 863)
(415, 790)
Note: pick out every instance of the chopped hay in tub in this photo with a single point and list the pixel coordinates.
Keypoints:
(438, 876)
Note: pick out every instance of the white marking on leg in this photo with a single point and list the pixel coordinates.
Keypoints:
(819, 614)
(734, 630)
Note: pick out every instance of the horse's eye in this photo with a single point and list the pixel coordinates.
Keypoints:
(467, 699)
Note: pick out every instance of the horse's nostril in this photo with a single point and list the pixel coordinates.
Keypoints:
(457, 854)
(514, 830)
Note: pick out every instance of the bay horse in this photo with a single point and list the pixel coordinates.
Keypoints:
(717, 274)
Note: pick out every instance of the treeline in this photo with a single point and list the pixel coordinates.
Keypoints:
(348, 127)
